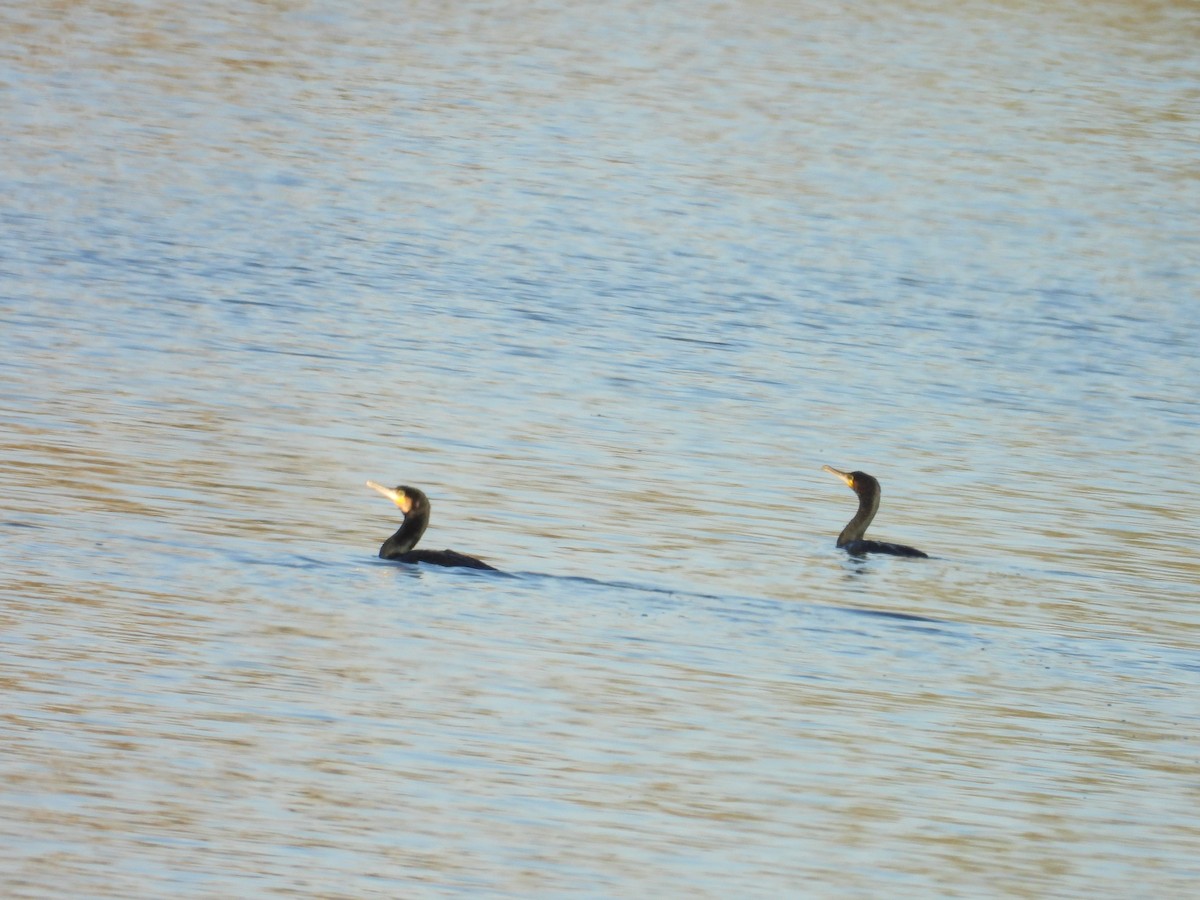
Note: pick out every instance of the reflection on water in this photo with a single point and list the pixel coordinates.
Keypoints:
(611, 285)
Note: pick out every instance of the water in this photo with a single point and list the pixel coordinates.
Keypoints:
(611, 284)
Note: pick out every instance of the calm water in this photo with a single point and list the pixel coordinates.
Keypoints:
(611, 283)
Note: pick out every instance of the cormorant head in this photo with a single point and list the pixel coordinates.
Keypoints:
(409, 499)
(859, 482)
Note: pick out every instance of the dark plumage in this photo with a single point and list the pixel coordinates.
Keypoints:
(399, 547)
(851, 539)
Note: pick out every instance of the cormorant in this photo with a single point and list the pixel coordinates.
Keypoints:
(851, 539)
(399, 547)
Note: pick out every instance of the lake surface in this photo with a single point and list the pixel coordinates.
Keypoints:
(610, 283)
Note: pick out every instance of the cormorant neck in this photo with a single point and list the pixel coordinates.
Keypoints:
(407, 535)
(868, 505)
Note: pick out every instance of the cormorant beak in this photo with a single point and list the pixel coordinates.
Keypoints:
(400, 498)
(845, 476)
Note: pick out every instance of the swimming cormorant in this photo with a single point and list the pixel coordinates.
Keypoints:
(851, 539)
(399, 547)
